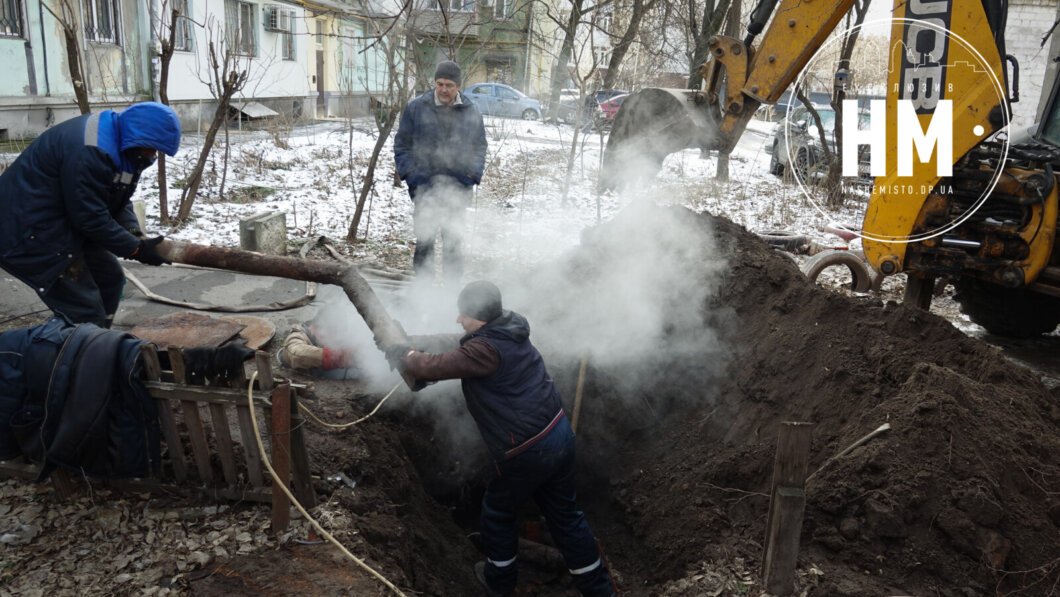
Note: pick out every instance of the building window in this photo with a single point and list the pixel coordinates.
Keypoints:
(10, 18)
(239, 27)
(320, 33)
(182, 34)
(462, 5)
(287, 40)
(603, 56)
(101, 21)
(505, 9)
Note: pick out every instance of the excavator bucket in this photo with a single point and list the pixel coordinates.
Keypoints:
(652, 124)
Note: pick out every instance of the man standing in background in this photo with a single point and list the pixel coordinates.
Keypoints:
(65, 209)
(440, 151)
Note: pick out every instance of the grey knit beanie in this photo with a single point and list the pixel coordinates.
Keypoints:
(447, 69)
(480, 300)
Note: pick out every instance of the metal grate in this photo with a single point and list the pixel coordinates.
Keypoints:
(10, 18)
(101, 21)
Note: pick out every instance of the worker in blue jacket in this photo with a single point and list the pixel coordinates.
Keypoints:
(440, 152)
(65, 209)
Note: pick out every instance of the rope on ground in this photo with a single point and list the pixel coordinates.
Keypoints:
(283, 485)
(306, 410)
(310, 294)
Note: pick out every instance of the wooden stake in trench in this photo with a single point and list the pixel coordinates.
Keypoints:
(384, 329)
(787, 503)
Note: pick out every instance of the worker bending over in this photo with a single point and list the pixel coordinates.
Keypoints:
(65, 208)
(518, 412)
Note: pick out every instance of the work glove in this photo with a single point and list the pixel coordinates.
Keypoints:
(229, 360)
(199, 364)
(148, 253)
(223, 364)
(394, 354)
(336, 358)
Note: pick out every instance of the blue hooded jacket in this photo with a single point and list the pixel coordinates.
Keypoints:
(72, 186)
(435, 140)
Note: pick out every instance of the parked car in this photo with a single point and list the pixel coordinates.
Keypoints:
(800, 148)
(568, 104)
(497, 99)
(609, 108)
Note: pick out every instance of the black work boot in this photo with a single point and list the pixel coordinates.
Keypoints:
(480, 574)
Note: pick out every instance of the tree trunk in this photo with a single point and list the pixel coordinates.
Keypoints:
(565, 52)
(834, 183)
(369, 177)
(618, 53)
(709, 24)
(164, 58)
(732, 27)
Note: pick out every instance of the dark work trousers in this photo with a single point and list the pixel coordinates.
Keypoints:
(89, 290)
(439, 212)
(544, 472)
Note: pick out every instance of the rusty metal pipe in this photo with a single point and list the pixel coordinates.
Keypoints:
(384, 330)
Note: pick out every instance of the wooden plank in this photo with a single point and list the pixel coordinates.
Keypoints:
(250, 447)
(204, 394)
(782, 549)
(200, 450)
(63, 482)
(281, 456)
(225, 447)
(149, 356)
(174, 448)
(787, 505)
(301, 481)
(166, 489)
(20, 469)
(264, 363)
(792, 461)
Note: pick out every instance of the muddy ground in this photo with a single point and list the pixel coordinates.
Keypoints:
(676, 443)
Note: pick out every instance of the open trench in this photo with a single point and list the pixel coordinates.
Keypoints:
(678, 426)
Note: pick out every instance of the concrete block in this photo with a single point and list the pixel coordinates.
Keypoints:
(141, 214)
(264, 232)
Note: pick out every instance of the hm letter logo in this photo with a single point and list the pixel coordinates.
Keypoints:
(937, 138)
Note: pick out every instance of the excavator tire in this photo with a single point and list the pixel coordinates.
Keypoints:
(860, 278)
(787, 241)
(1010, 312)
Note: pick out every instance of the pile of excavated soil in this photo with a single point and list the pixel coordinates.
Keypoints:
(959, 498)
(677, 434)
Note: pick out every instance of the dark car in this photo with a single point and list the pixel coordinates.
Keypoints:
(797, 145)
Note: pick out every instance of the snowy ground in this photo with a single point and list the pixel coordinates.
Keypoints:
(313, 175)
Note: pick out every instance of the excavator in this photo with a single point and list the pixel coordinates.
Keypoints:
(982, 214)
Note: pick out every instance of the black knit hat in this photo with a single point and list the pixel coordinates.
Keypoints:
(480, 300)
(447, 69)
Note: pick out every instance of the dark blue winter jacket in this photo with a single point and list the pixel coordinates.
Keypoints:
(437, 140)
(72, 396)
(518, 404)
(72, 186)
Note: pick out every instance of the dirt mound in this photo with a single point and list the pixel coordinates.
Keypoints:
(694, 360)
(961, 494)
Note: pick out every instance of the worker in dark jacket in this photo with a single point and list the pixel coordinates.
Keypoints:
(519, 414)
(65, 209)
(440, 151)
